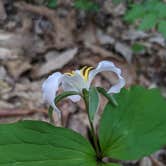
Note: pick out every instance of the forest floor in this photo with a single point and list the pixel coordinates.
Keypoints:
(36, 41)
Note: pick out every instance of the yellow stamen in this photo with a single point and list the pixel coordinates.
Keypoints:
(72, 73)
(85, 72)
(82, 69)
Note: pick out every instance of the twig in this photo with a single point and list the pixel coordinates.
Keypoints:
(155, 162)
(35, 9)
(15, 112)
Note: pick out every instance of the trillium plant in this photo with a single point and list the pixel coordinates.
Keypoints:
(132, 124)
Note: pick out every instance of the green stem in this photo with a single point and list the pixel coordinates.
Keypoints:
(93, 133)
(95, 141)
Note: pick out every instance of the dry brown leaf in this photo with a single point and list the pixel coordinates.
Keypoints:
(124, 50)
(146, 161)
(54, 62)
(3, 14)
(18, 67)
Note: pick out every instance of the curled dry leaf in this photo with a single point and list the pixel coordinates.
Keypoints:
(124, 50)
(134, 35)
(158, 39)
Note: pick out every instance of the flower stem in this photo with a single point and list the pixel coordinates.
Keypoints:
(93, 132)
(95, 141)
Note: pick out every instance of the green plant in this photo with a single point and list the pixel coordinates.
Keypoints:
(138, 48)
(132, 125)
(52, 4)
(87, 5)
(150, 14)
(128, 2)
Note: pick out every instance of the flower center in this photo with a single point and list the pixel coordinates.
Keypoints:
(84, 72)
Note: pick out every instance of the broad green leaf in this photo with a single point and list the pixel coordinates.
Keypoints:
(137, 127)
(149, 21)
(162, 27)
(93, 102)
(64, 95)
(52, 4)
(34, 143)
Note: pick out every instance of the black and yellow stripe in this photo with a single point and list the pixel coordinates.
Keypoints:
(85, 72)
(70, 73)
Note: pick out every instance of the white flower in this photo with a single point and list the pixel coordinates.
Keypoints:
(77, 81)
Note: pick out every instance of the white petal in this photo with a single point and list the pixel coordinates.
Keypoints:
(73, 83)
(75, 98)
(50, 87)
(108, 66)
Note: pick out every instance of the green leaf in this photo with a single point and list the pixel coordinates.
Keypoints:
(64, 95)
(137, 127)
(137, 47)
(34, 143)
(137, 11)
(52, 4)
(93, 102)
(109, 97)
(162, 27)
(117, 1)
(149, 21)
(161, 9)
(87, 5)
(150, 6)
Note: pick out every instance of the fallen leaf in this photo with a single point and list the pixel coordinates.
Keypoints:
(18, 67)
(158, 39)
(146, 162)
(124, 50)
(104, 38)
(54, 62)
